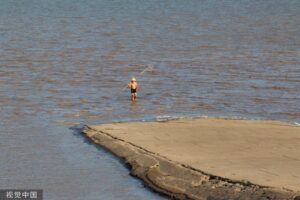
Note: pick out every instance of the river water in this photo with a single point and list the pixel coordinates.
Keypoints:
(64, 64)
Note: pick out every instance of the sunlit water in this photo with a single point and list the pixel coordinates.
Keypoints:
(64, 64)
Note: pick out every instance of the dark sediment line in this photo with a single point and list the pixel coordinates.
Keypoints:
(179, 181)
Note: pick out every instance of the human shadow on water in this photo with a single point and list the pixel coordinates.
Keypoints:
(77, 131)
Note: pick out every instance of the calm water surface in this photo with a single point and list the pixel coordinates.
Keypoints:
(64, 64)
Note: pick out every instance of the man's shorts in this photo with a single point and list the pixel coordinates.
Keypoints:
(133, 91)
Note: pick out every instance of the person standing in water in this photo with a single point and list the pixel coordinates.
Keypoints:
(133, 85)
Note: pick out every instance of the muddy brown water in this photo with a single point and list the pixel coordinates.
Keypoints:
(64, 64)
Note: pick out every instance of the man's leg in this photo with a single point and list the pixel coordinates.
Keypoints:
(135, 96)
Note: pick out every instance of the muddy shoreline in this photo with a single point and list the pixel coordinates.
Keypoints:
(181, 181)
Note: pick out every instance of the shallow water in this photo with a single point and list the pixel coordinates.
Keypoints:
(64, 64)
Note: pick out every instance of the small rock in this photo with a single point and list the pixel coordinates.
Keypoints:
(221, 184)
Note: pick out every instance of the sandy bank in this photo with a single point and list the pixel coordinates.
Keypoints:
(209, 158)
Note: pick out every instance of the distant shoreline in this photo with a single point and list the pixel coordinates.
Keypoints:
(208, 158)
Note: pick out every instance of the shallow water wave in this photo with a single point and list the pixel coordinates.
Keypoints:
(65, 63)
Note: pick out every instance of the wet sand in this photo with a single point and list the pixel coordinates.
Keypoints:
(209, 158)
